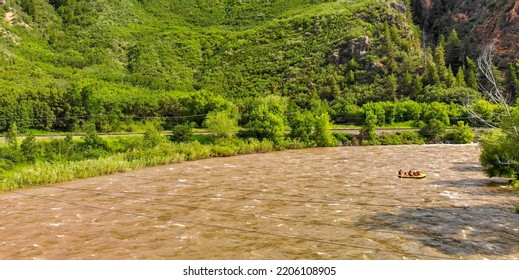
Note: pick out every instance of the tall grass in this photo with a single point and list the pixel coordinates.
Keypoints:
(41, 173)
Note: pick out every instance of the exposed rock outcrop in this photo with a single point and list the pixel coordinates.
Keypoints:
(480, 22)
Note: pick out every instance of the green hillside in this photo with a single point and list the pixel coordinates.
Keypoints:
(258, 75)
(65, 62)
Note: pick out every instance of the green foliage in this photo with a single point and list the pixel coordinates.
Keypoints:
(323, 136)
(266, 120)
(222, 123)
(437, 111)
(152, 136)
(345, 139)
(12, 137)
(182, 132)
(471, 74)
(29, 148)
(499, 155)
(461, 134)
(434, 130)
(302, 126)
(401, 138)
(485, 110)
(460, 78)
(368, 134)
(116, 63)
(91, 137)
(454, 53)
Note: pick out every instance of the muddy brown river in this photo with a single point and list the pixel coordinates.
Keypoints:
(328, 203)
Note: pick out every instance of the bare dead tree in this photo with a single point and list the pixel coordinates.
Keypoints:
(492, 93)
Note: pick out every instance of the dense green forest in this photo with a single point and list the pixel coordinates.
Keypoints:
(65, 63)
(259, 66)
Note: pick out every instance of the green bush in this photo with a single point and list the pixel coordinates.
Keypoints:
(499, 155)
(461, 134)
(152, 137)
(30, 148)
(401, 138)
(434, 130)
(182, 132)
(345, 139)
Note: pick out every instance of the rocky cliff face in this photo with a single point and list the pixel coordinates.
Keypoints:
(479, 22)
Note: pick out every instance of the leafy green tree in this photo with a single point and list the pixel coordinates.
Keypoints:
(434, 130)
(265, 124)
(302, 125)
(411, 111)
(350, 77)
(391, 85)
(485, 111)
(367, 132)
(221, 123)
(417, 86)
(500, 150)
(266, 120)
(378, 109)
(439, 58)
(499, 155)
(437, 111)
(323, 136)
(431, 76)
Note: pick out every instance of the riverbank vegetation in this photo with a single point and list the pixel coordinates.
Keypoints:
(256, 75)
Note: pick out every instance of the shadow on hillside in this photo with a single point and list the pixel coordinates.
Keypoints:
(455, 231)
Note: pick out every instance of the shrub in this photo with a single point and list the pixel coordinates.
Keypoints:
(30, 149)
(152, 136)
(12, 137)
(182, 132)
(462, 134)
(345, 139)
(221, 123)
(92, 139)
(499, 155)
(399, 138)
(433, 130)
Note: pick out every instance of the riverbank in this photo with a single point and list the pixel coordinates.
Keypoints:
(52, 160)
(47, 172)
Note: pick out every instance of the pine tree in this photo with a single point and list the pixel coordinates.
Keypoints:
(439, 58)
(471, 74)
(454, 50)
(431, 76)
(460, 78)
(406, 86)
(449, 78)
(417, 87)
